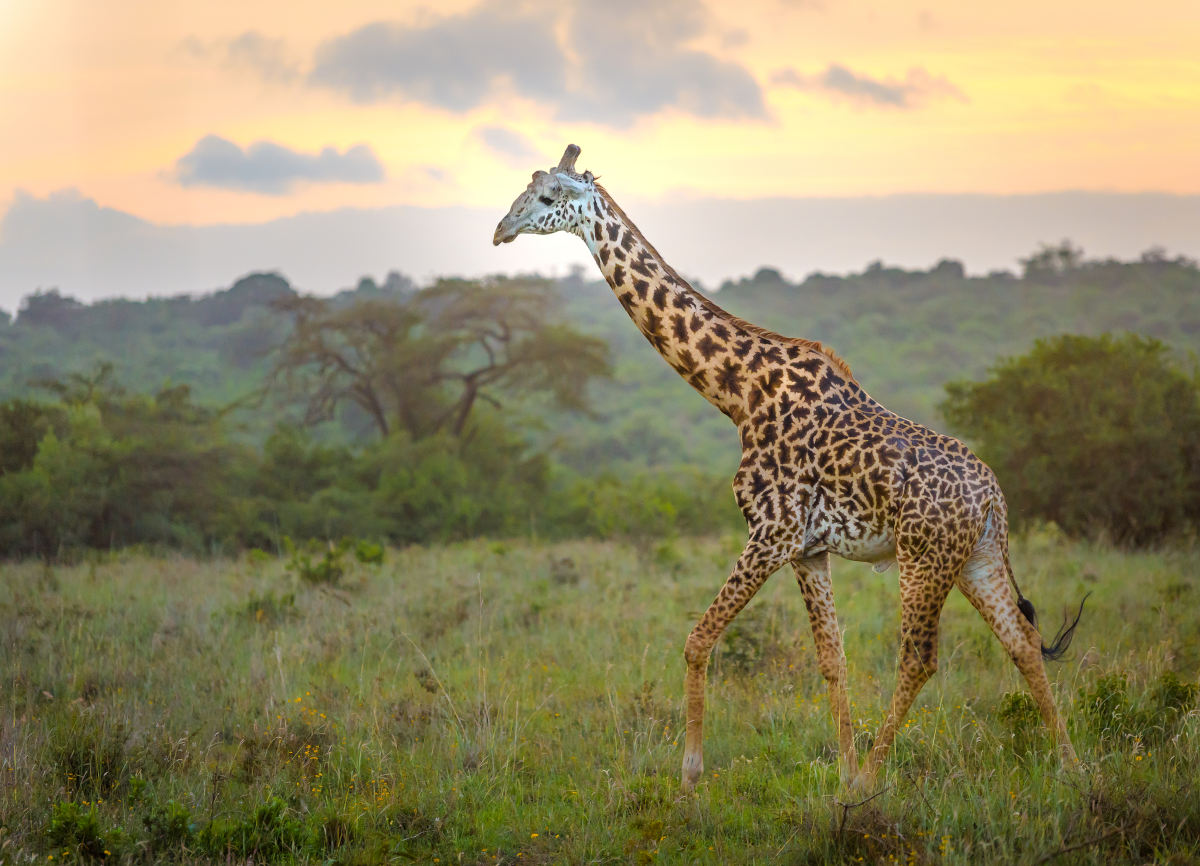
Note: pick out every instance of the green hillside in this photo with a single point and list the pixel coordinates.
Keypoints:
(904, 333)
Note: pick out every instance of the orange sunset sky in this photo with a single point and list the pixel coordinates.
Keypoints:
(245, 112)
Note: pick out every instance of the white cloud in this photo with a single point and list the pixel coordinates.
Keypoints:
(271, 168)
(916, 88)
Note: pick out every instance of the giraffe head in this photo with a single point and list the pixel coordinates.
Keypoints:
(554, 201)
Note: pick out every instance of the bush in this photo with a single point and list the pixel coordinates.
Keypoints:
(1018, 712)
(74, 827)
(168, 829)
(1100, 435)
(327, 569)
(1112, 712)
(271, 833)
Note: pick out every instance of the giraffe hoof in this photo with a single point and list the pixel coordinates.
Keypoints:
(693, 766)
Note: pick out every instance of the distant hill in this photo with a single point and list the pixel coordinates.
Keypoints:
(905, 333)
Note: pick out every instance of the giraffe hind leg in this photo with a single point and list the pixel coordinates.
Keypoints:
(923, 590)
(984, 581)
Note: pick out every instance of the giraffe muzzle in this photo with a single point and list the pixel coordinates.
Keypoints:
(505, 234)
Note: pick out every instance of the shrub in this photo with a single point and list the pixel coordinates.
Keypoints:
(168, 829)
(327, 569)
(1100, 435)
(1106, 707)
(1019, 713)
(74, 827)
(368, 552)
(270, 833)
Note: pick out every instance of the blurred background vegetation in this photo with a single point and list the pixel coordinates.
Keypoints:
(528, 406)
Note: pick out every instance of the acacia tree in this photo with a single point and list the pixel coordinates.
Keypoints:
(422, 362)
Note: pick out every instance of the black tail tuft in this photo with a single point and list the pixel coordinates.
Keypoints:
(1062, 640)
(1026, 607)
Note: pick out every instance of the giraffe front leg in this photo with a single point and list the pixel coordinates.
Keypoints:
(753, 567)
(813, 577)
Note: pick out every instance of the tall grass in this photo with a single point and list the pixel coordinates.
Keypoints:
(516, 703)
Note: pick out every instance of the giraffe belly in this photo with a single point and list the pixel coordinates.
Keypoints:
(877, 546)
(854, 540)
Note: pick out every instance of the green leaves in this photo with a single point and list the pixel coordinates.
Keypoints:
(1100, 435)
(421, 362)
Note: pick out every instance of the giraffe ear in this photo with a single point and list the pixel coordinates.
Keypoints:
(573, 186)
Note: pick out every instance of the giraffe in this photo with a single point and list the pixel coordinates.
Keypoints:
(825, 469)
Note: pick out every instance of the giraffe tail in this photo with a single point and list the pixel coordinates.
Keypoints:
(1062, 638)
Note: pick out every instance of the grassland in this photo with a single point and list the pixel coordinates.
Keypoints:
(519, 703)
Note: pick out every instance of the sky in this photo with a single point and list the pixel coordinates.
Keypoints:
(341, 138)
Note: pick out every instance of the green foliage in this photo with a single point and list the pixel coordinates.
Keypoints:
(120, 469)
(645, 506)
(77, 829)
(1019, 712)
(368, 552)
(316, 562)
(23, 425)
(1112, 710)
(1099, 435)
(743, 645)
(442, 488)
(268, 834)
(86, 462)
(1171, 697)
(421, 362)
(269, 608)
(169, 829)
(1106, 706)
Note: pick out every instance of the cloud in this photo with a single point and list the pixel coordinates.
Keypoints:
(626, 60)
(268, 58)
(634, 60)
(271, 168)
(512, 146)
(455, 63)
(916, 88)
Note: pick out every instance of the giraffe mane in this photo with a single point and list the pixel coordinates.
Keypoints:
(715, 309)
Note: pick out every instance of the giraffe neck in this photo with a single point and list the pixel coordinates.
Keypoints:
(715, 352)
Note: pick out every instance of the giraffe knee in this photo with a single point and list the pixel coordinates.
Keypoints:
(696, 650)
(832, 666)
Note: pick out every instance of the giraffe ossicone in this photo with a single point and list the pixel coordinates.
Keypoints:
(825, 470)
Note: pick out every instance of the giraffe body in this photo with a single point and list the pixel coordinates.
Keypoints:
(825, 470)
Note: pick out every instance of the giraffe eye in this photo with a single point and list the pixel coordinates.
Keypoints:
(545, 199)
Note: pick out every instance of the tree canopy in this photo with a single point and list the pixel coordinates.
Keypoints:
(1100, 435)
(422, 361)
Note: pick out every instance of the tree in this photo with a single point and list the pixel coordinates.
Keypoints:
(422, 362)
(49, 308)
(1050, 264)
(103, 468)
(1099, 434)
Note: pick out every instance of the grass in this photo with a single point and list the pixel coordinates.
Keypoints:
(515, 703)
